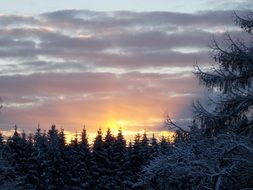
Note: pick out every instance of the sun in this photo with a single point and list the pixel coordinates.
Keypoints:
(115, 125)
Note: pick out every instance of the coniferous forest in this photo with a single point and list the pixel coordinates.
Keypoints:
(45, 161)
(214, 152)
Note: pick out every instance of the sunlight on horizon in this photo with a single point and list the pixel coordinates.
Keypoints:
(129, 135)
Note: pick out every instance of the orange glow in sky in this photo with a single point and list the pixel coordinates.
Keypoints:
(99, 69)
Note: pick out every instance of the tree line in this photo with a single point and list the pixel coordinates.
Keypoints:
(45, 161)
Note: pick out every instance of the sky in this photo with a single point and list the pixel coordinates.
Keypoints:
(28, 7)
(106, 63)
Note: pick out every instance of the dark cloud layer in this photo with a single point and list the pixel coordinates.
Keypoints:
(73, 66)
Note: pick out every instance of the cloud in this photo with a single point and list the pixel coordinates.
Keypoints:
(81, 83)
(10, 20)
(74, 66)
(122, 19)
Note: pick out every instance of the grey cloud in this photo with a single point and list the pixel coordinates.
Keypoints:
(76, 44)
(55, 84)
(61, 55)
(8, 20)
(159, 59)
(10, 43)
(128, 18)
(58, 44)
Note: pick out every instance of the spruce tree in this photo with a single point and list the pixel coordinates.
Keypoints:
(16, 151)
(20, 152)
(84, 141)
(38, 175)
(145, 149)
(217, 152)
(109, 178)
(7, 172)
(231, 79)
(231, 118)
(73, 159)
(55, 165)
(135, 159)
(98, 159)
(122, 171)
(164, 146)
(1, 138)
(85, 160)
(154, 147)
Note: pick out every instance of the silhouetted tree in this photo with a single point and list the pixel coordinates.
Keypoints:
(55, 164)
(217, 153)
(1, 138)
(19, 153)
(122, 162)
(85, 162)
(154, 147)
(164, 146)
(98, 159)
